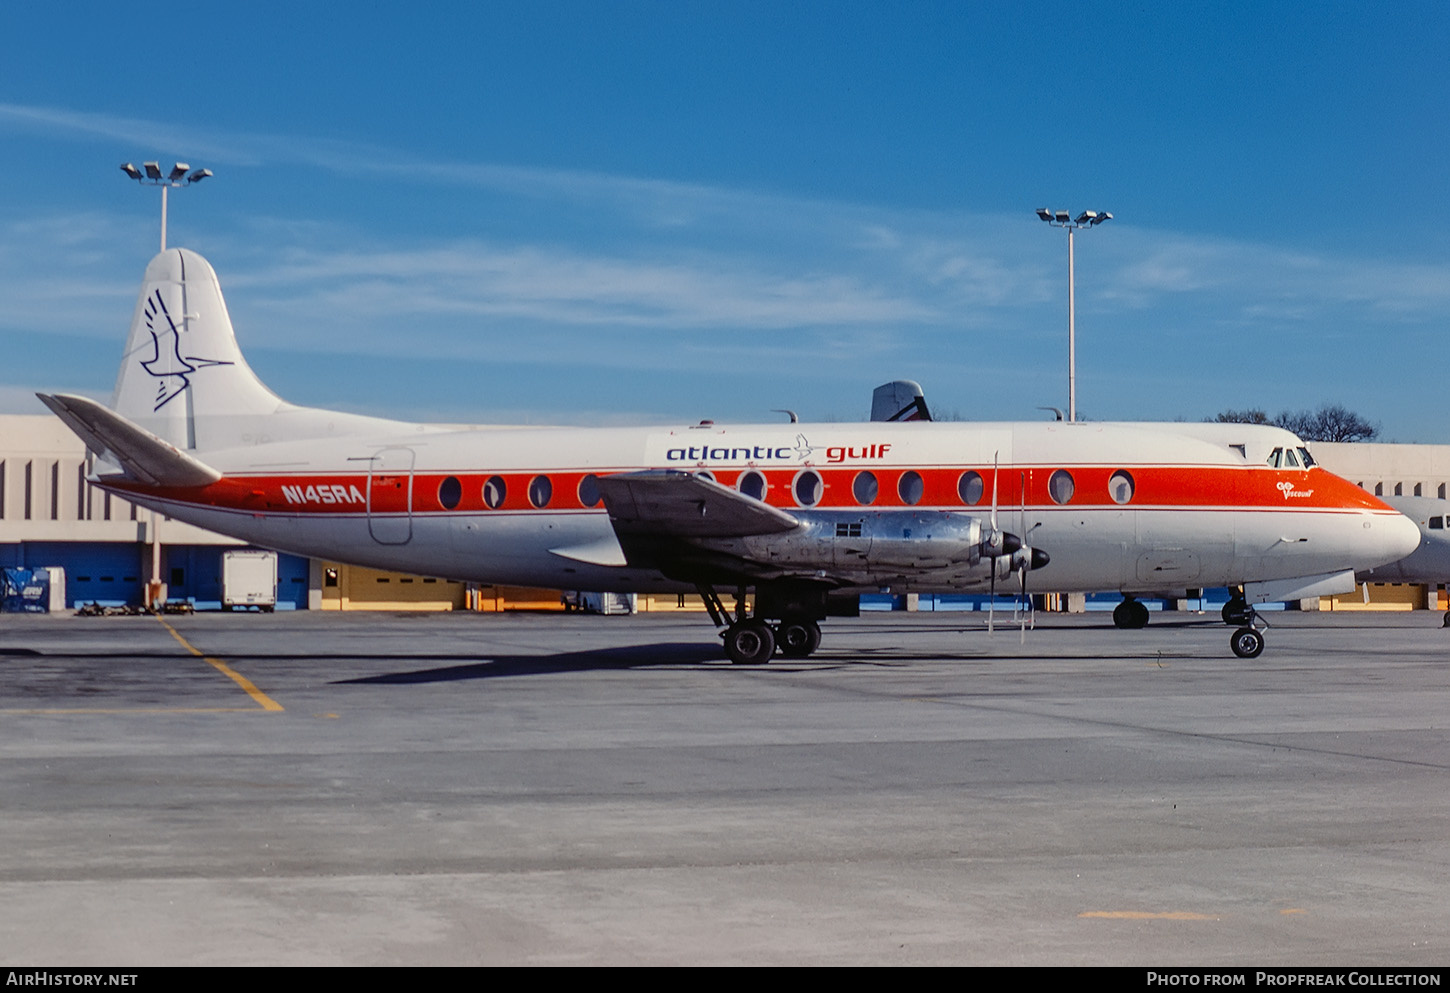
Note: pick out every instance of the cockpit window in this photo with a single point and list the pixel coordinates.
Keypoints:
(1437, 523)
(1291, 461)
(1306, 457)
(1276, 457)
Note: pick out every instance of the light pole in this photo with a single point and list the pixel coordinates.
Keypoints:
(155, 589)
(1064, 219)
(153, 177)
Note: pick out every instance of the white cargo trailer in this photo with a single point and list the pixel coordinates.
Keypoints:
(249, 579)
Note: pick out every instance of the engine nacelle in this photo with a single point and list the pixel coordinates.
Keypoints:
(883, 541)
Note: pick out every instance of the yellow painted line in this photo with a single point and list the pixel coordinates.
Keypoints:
(64, 711)
(267, 703)
(1146, 915)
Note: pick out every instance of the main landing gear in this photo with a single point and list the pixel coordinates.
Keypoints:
(1247, 642)
(753, 640)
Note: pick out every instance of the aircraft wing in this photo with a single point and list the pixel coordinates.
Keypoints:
(143, 456)
(666, 503)
(674, 521)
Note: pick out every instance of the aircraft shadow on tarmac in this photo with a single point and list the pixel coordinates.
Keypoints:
(498, 666)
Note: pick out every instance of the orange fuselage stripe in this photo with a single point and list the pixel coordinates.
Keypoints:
(1178, 487)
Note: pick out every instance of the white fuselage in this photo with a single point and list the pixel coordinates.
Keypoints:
(1198, 510)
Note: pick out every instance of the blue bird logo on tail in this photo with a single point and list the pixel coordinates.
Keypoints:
(171, 369)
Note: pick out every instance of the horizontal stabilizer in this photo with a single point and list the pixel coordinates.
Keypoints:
(144, 457)
(666, 503)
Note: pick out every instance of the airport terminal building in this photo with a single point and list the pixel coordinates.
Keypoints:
(50, 516)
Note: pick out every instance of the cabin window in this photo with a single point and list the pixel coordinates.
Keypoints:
(910, 487)
(807, 488)
(494, 492)
(1120, 487)
(450, 493)
(752, 484)
(1437, 524)
(589, 490)
(541, 491)
(865, 488)
(1060, 486)
(970, 488)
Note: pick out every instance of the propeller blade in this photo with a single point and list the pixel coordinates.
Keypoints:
(1022, 572)
(992, 595)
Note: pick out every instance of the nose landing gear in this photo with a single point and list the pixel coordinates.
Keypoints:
(1247, 642)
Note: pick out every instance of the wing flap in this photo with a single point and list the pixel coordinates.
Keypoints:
(140, 454)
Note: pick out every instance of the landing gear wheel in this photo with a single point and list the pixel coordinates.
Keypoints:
(1130, 614)
(1247, 643)
(1237, 611)
(750, 643)
(797, 637)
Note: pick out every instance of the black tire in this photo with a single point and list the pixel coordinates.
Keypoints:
(1247, 643)
(1131, 615)
(797, 637)
(1237, 612)
(750, 643)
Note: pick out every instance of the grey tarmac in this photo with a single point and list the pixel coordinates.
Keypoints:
(564, 790)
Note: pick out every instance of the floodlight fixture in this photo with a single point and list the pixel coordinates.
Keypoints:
(153, 176)
(1042, 212)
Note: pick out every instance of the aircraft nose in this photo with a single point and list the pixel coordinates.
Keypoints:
(1398, 536)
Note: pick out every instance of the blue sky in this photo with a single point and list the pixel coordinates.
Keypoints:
(618, 212)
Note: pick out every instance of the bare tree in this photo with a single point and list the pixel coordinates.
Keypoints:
(1331, 422)
(1241, 417)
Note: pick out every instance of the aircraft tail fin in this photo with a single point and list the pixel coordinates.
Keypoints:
(901, 400)
(183, 378)
(141, 455)
(182, 370)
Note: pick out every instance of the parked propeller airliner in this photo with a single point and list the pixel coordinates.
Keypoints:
(1429, 563)
(807, 516)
